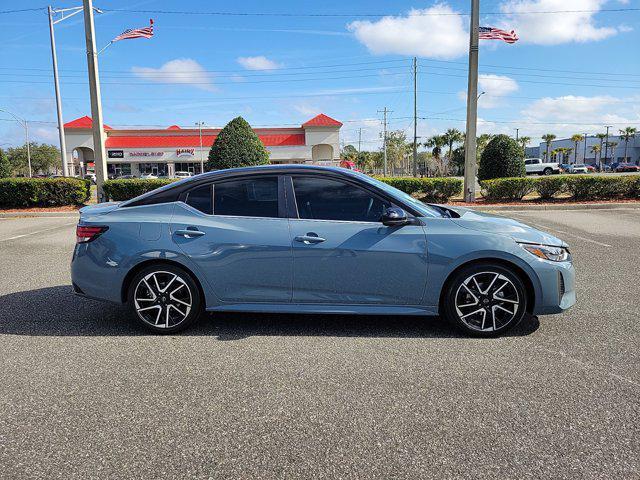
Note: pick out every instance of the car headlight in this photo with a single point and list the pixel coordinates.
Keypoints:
(547, 252)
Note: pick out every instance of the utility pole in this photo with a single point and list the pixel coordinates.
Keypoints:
(201, 159)
(472, 106)
(415, 117)
(96, 102)
(517, 131)
(584, 154)
(384, 142)
(359, 139)
(606, 147)
(56, 83)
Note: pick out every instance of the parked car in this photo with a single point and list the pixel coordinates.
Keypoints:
(536, 165)
(125, 177)
(627, 167)
(309, 239)
(578, 168)
(148, 176)
(591, 168)
(564, 167)
(183, 174)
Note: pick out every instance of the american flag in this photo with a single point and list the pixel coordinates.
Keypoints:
(146, 32)
(491, 33)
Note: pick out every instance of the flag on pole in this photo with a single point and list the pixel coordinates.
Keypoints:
(491, 33)
(146, 32)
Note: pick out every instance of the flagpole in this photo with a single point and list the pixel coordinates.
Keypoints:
(105, 47)
(472, 107)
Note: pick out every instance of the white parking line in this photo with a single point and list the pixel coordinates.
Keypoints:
(546, 227)
(36, 232)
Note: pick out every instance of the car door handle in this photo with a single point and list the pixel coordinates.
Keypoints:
(189, 233)
(309, 239)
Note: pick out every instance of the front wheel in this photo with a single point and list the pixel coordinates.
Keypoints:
(547, 171)
(485, 300)
(164, 298)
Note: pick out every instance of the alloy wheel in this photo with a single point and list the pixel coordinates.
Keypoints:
(487, 301)
(163, 299)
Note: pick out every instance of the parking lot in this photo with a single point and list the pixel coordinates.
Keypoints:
(84, 393)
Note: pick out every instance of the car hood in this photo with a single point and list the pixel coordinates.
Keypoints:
(520, 232)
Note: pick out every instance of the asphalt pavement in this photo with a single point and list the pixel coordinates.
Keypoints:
(85, 393)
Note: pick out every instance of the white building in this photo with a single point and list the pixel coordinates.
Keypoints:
(166, 151)
(585, 155)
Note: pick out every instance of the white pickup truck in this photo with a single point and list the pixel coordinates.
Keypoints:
(536, 165)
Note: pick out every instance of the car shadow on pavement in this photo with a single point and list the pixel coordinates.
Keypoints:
(57, 311)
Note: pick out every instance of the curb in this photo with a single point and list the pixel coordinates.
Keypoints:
(556, 206)
(39, 214)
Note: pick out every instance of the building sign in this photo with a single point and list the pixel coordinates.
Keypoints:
(185, 152)
(115, 154)
(146, 154)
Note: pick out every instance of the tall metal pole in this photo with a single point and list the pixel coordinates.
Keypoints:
(384, 143)
(26, 134)
(359, 139)
(99, 136)
(606, 147)
(517, 132)
(201, 159)
(415, 117)
(584, 154)
(472, 106)
(54, 60)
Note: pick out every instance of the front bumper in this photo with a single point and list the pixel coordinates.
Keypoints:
(558, 286)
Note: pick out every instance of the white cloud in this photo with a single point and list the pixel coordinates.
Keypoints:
(306, 109)
(179, 71)
(423, 33)
(492, 89)
(554, 29)
(258, 63)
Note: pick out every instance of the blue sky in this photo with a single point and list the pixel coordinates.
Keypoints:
(570, 72)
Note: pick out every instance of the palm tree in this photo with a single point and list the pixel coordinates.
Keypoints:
(601, 137)
(436, 143)
(524, 141)
(548, 138)
(611, 146)
(595, 149)
(576, 139)
(452, 136)
(627, 134)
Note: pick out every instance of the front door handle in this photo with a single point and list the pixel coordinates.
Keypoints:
(309, 239)
(189, 233)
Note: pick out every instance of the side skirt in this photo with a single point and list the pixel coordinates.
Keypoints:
(326, 308)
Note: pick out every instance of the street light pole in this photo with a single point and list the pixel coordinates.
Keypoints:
(584, 155)
(24, 124)
(96, 102)
(201, 159)
(54, 60)
(606, 147)
(472, 106)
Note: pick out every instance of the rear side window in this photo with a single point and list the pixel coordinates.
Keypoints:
(326, 199)
(250, 197)
(201, 199)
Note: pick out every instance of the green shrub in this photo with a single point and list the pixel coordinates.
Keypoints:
(126, 189)
(237, 145)
(43, 192)
(632, 186)
(507, 189)
(550, 186)
(503, 157)
(592, 187)
(432, 189)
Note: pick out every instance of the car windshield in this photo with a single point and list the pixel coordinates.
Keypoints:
(424, 209)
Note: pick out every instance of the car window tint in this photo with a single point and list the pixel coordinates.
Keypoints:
(200, 199)
(326, 199)
(254, 197)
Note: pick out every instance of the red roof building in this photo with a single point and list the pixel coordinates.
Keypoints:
(165, 151)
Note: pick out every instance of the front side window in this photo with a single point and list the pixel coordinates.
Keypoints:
(250, 197)
(326, 199)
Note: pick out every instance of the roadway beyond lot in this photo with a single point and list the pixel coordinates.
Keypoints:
(86, 394)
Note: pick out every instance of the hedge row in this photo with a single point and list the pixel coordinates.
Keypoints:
(125, 189)
(432, 189)
(579, 187)
(43, 192)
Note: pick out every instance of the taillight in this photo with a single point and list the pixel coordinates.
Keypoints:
(88, 233)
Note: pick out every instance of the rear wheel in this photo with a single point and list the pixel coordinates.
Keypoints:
(164, 298)
(547, 171)
(485, 300)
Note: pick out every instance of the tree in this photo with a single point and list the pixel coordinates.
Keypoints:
(502, 157)
(436, 143)
(548, 138)
(576, 138)
(5, 166)
(44, 157)
(627, 134)
(237, 145)
(595, 149)
(396, 148)
(610, 146)
(481, 142)
(451, 137)
(524, 141)
(349, 152)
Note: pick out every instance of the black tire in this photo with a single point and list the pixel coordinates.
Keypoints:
(547, 171)
(494, 321)
(174, 314)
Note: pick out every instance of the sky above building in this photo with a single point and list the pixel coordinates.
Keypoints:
(572, 71)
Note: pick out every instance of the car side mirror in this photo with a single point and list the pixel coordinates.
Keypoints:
(394, 217)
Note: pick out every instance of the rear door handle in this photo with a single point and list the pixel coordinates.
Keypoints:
(189, 233)
(309, 239)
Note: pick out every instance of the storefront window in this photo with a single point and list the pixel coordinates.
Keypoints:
(157, 169)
